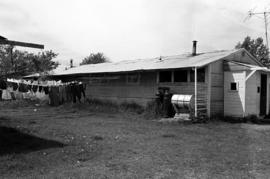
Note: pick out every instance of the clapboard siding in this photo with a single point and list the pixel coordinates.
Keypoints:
(217, 79)
(143, 92)
(234, 101)
(217, 83)
(252, 96)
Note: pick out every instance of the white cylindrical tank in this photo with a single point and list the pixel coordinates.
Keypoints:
(183, 101)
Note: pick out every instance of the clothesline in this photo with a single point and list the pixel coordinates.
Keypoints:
(56, 92)
(41, 83)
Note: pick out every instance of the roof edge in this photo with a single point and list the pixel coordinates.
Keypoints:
(253, 58)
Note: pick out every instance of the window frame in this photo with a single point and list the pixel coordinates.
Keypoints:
(236, 85)
(131, 74)
(192, 72)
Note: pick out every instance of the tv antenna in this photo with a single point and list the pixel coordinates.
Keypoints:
(258, 14)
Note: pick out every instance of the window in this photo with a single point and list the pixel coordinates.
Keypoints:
(258, 89)
(200, 75)
(133, 78)
(234, 86)
(180, 76)
(165, 76)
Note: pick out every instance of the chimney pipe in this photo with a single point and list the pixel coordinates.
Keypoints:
(194, 48)
(71, 63)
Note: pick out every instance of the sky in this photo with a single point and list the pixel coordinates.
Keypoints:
(130, 29)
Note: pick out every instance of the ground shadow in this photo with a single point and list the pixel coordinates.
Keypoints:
(15, 141)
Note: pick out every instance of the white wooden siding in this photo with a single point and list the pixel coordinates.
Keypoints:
(234, 101)
(252, 96)
(217, 81)
(217, 97)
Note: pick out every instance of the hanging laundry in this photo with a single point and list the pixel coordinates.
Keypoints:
(34, 88)
(3, 84)
(6, 95)
(15, 86)
(46, 89)
(40, 88)
(29, 87)
(23, 88)
(55, 92)
(54, 96)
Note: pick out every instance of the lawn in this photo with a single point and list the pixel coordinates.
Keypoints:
(79, 142)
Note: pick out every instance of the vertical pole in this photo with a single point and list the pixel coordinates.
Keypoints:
(11, 59)
(266, 35)
(195, 80)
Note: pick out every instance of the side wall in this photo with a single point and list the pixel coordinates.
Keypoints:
(217, 91)
(217, 80)
(143, 92)
(252, 95)
(234, 101)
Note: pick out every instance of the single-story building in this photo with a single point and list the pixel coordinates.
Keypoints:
(225, 83)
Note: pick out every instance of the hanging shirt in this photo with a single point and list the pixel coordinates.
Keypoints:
(40, 88)
(23, 88)
(6, 95)
(3, 84)
(15, 86)
(46, 89)
(34, 88)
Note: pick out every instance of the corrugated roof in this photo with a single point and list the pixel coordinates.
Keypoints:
(165, 62)
(59, 69)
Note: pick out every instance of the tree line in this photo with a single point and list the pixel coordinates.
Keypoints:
(18, 63)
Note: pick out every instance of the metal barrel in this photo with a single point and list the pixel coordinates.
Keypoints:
(183, 101)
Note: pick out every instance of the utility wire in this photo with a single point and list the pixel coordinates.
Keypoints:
(265, 18)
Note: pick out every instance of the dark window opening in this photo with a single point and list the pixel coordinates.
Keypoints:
(258, 89)
(233, 86)
(180, 76)
(165, 76)
(200, 75)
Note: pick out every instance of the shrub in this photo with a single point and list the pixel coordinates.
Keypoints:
(152, 110)
(102, 105)
(131, 107)
(231, 119)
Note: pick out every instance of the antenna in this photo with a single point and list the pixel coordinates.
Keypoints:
(265, 14)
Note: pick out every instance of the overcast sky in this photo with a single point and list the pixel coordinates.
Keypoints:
(129, 29)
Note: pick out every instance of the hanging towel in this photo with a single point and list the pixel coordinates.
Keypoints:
(6, 95)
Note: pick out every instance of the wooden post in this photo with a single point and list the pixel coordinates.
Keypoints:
(11, 54)
(209, 88)
(195, 93)
(22, 44)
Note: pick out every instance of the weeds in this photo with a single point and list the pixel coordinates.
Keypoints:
(152, 110)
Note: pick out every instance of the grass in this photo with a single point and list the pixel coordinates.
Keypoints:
(77, 141)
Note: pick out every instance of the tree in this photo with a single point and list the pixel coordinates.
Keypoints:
(24, 63)
(257, 48)
(94, 59)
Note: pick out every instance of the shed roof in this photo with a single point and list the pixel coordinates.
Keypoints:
(159, 63)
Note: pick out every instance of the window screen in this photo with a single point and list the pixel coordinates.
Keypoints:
(180, 76)
(200, 75)
(165, 76)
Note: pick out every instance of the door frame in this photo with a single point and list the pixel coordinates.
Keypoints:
(263, 94)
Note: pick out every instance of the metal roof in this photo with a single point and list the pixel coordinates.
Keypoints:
(159, 63)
